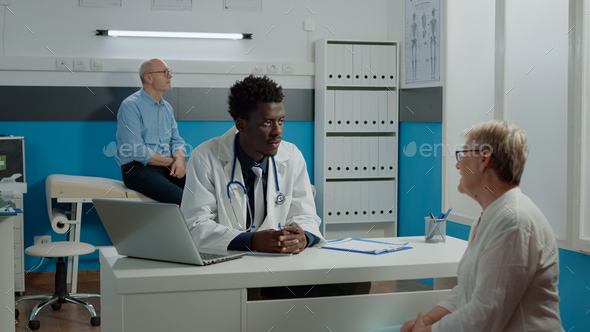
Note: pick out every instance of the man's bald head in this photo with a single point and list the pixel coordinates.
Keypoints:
(146, 67)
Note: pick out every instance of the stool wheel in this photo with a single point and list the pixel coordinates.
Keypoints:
(16, 313)
(56, 306)
(95, 321)
(34, 324)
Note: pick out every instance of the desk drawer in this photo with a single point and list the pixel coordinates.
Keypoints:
(18, 221)
(340, 313)
(18, 265)
(18, 250)
(19, 282)
(17, 235)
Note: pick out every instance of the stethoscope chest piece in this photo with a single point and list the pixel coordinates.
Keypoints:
(280, 199)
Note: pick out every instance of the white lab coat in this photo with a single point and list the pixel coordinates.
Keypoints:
(206, 206)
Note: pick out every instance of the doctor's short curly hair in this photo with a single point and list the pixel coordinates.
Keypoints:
(245, 95)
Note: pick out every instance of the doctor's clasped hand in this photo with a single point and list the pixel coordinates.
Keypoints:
(288, 239)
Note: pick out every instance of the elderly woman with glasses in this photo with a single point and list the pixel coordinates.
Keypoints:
(507, 278)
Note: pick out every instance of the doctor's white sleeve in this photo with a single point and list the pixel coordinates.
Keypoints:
(199, 207)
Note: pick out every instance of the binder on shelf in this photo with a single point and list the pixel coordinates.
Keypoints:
(329, 202)
(383, 125)
(338, 157)
(392, 65)
(348, 64)
(330, 64)
(347, 200)
(374, 156)
(339, 64)
(357, 65)
(392, 110)
(385, 205)
(374, 200)
(391, 156)
(365, 110)
(365, 156)
(366, 60)
(384, 153)
(365, 198)
(355, 205)
(356, 110)
(329, 110)
(347, 126)
(330, 154)
(355, 170)
(346, 156)
(391, 200)
(375, 49)
(338, 197)
(374, 111)
(338, 110)
(383, 64)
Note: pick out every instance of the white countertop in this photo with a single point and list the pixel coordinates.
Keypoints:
(312, 266)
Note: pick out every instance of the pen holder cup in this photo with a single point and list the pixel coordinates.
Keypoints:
(435, 230)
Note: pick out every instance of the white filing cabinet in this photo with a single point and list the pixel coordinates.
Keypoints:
(12, 164)
(19, 251)
(6, 280)
(356, 137)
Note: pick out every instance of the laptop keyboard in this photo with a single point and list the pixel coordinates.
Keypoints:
(207, 257)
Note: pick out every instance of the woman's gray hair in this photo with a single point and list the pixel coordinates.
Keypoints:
(145, 68)
(508, 144)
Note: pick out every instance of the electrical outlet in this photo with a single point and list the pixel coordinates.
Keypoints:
(257, 68)
(42, 239)
(288, 68)
(273, 68)
(64, 64)
(96, 64)
(80, 64)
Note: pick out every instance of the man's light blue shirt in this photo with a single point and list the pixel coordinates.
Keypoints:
(144, 127)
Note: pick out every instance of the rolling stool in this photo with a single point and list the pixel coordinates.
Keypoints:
(59, 250)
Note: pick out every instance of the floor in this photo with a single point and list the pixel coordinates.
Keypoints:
(74, 318)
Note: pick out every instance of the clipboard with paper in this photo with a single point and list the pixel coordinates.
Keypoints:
(364, 246)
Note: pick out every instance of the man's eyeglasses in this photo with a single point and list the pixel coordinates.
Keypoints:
(166, 72)
(460, 153)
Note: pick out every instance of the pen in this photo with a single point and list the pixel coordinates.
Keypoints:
(447, 214)
(431, 215)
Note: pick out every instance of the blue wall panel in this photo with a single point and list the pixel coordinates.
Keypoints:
(419, 188)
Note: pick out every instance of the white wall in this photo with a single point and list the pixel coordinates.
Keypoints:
(536, 36)
(68, 30)
(469, 89)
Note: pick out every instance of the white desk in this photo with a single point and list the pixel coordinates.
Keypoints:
(143, 295)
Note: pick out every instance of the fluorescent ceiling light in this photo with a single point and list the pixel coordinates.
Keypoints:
(170, 34)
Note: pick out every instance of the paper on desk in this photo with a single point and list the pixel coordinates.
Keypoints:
(365, 246)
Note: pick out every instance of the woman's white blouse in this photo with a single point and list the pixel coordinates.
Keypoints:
(507, 279)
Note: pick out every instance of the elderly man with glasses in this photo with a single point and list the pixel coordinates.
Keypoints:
(150, 151)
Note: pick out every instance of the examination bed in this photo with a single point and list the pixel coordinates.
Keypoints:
(78, 190)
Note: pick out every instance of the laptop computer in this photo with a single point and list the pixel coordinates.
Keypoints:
(155, 231)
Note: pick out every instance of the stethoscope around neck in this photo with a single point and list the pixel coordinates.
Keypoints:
(279, 200)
